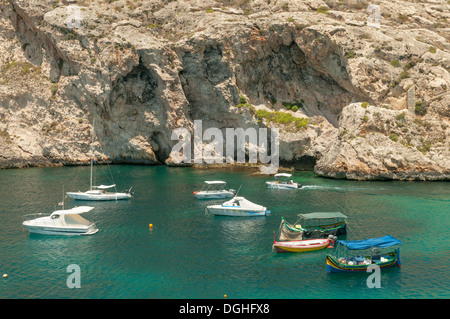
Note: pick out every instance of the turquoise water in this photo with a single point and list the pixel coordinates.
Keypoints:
(190, 254)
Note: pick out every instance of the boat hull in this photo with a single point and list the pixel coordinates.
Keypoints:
(213, 195)
(299, 246)
(62, 231)
(334, 266)
(99, 197)
(237, 212)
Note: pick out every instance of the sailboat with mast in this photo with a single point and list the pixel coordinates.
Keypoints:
(99, 193)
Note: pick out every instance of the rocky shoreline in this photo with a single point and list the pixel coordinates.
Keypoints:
(351, 100)
(400, 176)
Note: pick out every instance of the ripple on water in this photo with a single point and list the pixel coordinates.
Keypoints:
(190, 254)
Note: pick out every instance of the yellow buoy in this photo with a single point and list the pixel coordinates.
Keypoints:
(224, 296)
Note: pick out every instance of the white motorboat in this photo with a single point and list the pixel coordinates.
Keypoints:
(61, 222)
(99, 193)
(283, 181)
(238, 206)
(214, 190)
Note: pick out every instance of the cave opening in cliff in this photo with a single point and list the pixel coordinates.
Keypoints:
(136, 88)
(137, 109)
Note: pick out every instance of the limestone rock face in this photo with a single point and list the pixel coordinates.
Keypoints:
(377, 143)
(332, 76)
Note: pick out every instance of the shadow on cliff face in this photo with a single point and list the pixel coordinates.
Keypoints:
(308, 69)
(284, 76)
(136, 113)
(37, 46)
(207, 83)
(268, 71)
(303, 163)
(137, 88)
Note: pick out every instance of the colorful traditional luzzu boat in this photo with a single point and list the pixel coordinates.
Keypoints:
(314, 225)
(344, 261)
(312, 231)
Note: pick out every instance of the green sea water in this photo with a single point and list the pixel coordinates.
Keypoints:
(191, 254)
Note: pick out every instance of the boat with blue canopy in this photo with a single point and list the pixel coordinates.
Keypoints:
(358, 255)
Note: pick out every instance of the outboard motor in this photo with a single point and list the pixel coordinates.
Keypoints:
(299, 185)
(332, 239)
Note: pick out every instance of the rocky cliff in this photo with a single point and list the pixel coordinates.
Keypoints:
(358, 89)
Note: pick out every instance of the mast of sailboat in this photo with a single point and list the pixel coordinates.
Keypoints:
(92, 151)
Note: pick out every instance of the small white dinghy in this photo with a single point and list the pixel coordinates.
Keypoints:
(214, 190)
(283, 183)
(61, 222)
(238, 206)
